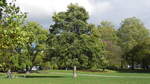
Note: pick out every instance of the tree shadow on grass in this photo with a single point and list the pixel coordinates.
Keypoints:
(133, 71)
(45, 76)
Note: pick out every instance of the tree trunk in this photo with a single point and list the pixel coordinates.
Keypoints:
(66, 68)
(9, 74)
(74, 72)
(103, 69)
(132, 61)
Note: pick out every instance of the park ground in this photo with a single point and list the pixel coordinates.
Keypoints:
(65, 77)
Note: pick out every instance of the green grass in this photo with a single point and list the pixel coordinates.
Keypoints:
(65, 77)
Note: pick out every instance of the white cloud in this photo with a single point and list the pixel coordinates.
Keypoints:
(48, 7)
(102, 7)
(45, 7)
(42, 10)
(113, 10)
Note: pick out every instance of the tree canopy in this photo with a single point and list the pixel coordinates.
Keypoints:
(70, 41)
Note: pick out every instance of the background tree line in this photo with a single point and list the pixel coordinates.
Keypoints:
(70, 41)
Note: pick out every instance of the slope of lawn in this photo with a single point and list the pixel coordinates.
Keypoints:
(65, 77)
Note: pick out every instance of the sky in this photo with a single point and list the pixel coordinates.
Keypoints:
(99, 10)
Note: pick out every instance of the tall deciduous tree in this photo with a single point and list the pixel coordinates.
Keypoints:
(12, 36)
(71, 41)
(131, 32)
(36, 47)
(108, 34)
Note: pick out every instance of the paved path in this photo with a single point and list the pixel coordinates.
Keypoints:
(108, 76)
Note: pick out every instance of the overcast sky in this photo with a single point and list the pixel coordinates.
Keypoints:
(99, 10)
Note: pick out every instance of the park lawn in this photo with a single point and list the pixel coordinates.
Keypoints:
(65, 77)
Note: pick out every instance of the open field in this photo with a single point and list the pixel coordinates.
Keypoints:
(65, 77)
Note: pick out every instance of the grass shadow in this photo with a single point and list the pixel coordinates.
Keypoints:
(44, 76)
(133, 71)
